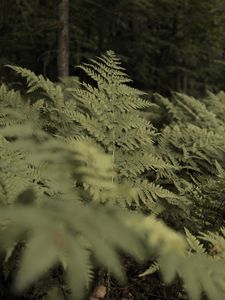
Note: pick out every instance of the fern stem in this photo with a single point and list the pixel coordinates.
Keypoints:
(114, 137)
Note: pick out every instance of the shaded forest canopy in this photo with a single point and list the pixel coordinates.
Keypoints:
(165, 44)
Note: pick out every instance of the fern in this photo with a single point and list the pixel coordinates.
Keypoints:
(109, 115)
(55, 219)
(78, 147)
(34, 83)
(194, 243)
(71, 233)
(215, 104)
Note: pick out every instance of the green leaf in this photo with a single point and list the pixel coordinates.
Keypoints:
(38, 257)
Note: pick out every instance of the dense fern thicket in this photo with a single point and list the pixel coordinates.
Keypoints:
(192, 136)
(87, 173)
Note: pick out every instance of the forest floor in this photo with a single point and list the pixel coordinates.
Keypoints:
(149, 287)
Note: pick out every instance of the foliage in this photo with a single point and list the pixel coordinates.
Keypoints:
(72, 159)
(108, 115)
(192, 137)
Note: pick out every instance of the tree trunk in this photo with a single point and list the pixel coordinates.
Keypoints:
(63, 39)
(185, 83)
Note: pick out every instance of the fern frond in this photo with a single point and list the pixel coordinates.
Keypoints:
(34, 82)
(151, 193)
(151, 270)
(194, 243)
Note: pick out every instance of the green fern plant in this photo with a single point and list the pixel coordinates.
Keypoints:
(199, 267)
(215, 104)
(193, 140)
(194, 136)
(208, 201)
(55, 220)
(69, 232)
(89, 145)
(110, 113)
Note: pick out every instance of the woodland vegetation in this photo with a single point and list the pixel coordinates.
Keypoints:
(164, 44)
(109, 192)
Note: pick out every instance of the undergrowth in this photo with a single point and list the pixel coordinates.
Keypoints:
(91, 174)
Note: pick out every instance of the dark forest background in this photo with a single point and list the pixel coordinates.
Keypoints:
(164, 44)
